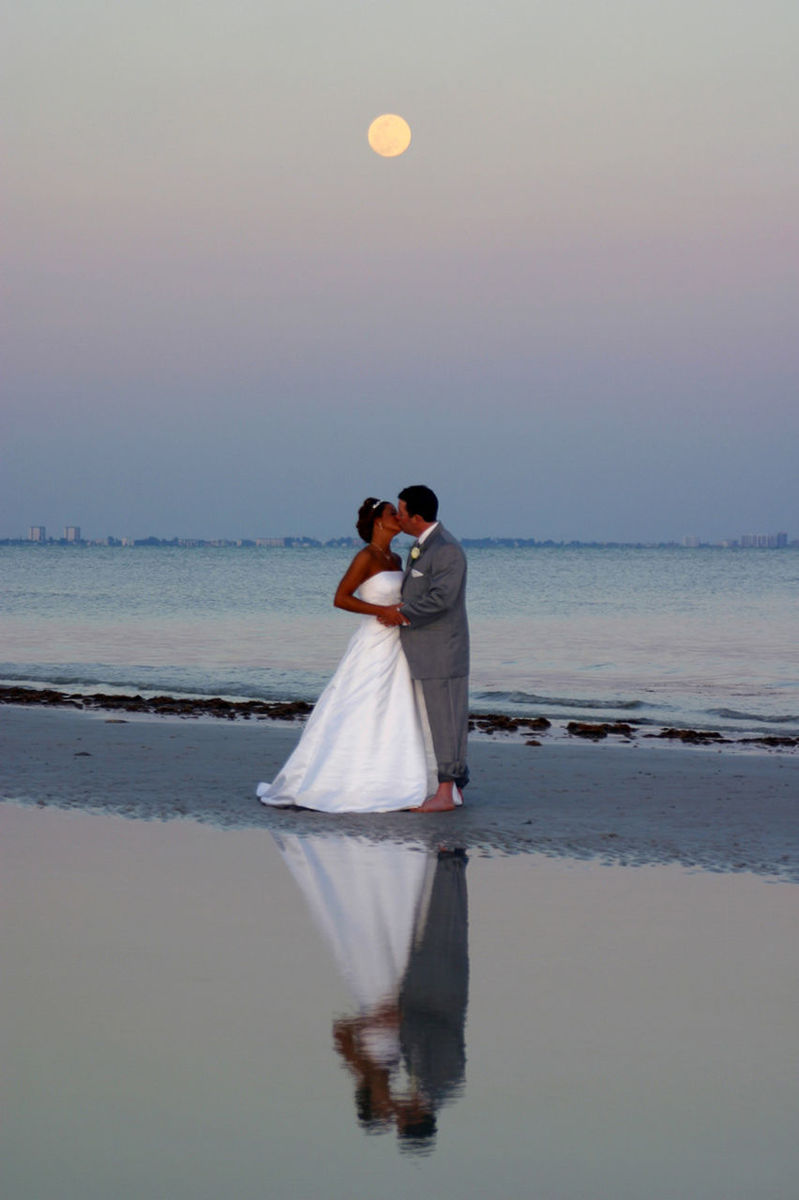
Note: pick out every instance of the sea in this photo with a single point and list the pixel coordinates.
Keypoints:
(702, 638)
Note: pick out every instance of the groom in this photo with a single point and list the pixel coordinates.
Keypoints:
(435, 636)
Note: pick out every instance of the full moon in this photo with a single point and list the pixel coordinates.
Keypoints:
(389, 135)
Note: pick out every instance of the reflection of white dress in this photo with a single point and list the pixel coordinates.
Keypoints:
(365, 898)
(363, 748)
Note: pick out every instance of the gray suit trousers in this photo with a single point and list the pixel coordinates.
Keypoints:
(447, 704)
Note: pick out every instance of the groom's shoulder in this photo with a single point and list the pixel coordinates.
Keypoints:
(447, 538)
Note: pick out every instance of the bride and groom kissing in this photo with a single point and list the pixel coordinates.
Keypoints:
(389, 730)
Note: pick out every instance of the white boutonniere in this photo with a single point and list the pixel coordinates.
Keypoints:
(415, 552)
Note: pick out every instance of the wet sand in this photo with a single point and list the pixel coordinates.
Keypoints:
(170, 1006)
(633, 804)
(170, 1009)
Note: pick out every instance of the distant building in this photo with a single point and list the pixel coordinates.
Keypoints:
(764, 541)
(72, 533)
(37, 533)
(692, 542)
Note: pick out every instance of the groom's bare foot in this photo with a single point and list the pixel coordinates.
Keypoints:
(442, 801)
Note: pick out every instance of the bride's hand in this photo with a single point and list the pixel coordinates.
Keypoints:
(392, 616)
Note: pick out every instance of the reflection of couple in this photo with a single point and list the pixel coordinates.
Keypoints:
(389, 730)
(396, 920)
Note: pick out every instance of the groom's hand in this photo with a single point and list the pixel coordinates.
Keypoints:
(392, 616)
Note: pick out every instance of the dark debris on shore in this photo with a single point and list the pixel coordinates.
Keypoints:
(500, 723)
(689, 737)
(293, 710)
(162, 706)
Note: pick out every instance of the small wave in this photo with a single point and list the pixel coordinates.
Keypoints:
(178, 682)
(560, 701)
(732, 714)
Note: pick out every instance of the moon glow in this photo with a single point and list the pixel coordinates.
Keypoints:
(389, 135)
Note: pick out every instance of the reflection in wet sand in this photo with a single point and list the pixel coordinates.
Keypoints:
(396, 918)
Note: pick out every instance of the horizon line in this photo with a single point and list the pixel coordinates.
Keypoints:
(779, 540)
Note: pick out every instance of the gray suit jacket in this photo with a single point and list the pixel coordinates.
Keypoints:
(436, 642)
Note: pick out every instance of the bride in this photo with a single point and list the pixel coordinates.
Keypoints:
(365, 747)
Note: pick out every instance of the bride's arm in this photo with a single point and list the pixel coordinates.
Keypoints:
(359, 570)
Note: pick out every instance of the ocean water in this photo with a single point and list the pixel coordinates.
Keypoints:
(703, 637)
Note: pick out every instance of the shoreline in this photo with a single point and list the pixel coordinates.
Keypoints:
(701, 808)
(531, 729)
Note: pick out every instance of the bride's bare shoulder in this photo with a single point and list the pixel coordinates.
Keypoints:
(360, 569)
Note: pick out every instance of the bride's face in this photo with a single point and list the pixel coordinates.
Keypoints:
(389, 520)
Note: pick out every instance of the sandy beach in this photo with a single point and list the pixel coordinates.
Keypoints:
(173, 1006)
(644, 803)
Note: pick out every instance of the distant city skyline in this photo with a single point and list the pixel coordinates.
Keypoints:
(72, 534)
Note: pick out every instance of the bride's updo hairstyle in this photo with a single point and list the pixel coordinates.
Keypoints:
(370, 510)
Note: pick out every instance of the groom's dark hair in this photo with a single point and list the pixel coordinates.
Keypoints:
(420, 501)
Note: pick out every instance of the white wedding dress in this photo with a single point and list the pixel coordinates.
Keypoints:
(365, 747)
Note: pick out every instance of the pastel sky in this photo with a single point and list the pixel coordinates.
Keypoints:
(571, 307)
